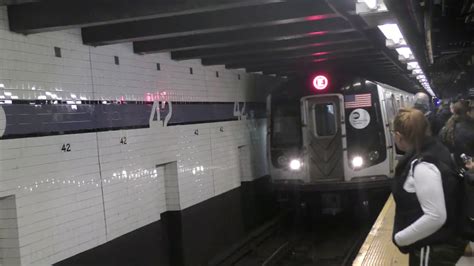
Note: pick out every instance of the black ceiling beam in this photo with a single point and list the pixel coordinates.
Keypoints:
(16, 2)
(257, 66)
(316, 51)
(241, 36)
(310, 58)
(308, 69)
(323, 65)
(357, 70)
(326, 67)
(65, 14)
(281, 45)
(361, 65)
(207, 22)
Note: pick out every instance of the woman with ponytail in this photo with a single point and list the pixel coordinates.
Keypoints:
(426, 195)
(459, 110)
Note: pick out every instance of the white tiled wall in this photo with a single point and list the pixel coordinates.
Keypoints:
(9, 243)
(69, 202)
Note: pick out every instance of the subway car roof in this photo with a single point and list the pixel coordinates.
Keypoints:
(408, 44)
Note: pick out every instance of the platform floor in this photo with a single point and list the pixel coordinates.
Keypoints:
(378, 248)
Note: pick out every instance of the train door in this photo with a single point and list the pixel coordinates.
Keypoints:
(322, 137)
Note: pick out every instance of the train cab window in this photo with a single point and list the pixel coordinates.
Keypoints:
(325, 119)
(286, 125)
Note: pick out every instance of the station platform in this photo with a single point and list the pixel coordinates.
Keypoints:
(378, 248)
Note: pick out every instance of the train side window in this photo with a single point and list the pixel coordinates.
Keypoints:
(324, 119)
(394, 105)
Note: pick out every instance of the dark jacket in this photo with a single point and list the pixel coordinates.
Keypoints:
(408, 208)
(464, 137)
(440, 120)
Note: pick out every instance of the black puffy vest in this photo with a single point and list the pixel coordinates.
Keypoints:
(408, 209)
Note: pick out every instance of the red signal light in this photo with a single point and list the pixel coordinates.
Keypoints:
(320, 82)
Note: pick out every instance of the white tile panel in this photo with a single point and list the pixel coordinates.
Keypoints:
(67, 203)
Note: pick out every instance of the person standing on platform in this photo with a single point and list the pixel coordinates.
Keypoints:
(458, 133)
(426, 195)
(422, 103)
(442, 116)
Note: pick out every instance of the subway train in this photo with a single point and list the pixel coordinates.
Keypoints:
(332, 136)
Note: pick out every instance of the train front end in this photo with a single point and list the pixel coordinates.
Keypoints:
(329, 140)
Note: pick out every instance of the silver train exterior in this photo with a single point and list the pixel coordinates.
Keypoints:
(334, 141)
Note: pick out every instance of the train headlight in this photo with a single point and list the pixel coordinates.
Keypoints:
(357, 162)
(295, 165)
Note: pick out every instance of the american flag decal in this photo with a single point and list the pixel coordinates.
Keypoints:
(357, 101)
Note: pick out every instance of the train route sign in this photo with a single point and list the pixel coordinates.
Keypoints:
(320, 82)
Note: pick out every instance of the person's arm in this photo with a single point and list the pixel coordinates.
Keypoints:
(429, 191)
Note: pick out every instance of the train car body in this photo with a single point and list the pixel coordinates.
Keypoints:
(333, 140)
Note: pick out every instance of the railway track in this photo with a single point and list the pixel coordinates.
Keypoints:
(331, 240)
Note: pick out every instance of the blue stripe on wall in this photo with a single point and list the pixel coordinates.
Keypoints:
(42, 118)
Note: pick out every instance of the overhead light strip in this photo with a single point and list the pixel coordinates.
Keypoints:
(395, 40)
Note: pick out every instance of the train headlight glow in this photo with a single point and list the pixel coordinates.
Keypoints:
(295, 165)
(357, 162)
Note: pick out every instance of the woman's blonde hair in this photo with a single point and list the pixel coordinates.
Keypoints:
(413, 126)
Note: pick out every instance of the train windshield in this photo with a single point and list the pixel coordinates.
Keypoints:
(286, 129)
(325, 119)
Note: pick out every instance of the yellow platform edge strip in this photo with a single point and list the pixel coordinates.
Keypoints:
(378, 248)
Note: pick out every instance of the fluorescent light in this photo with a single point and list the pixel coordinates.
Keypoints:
(372, 4)
(392, 33)
(412, 65)
(417, 71)
(405, 52)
